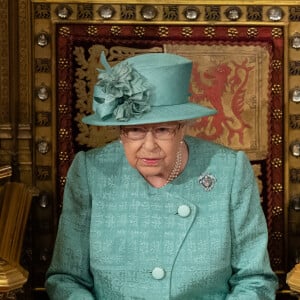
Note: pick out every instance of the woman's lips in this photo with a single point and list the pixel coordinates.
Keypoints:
(150, 161)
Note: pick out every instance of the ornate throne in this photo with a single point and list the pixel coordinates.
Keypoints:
(246, 89)
(246, 65)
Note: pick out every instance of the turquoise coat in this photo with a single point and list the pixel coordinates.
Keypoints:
(203, 236)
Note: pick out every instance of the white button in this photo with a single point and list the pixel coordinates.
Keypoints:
(158, 273)
(184, 211)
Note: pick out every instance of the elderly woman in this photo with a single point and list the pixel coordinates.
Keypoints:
(158, 215)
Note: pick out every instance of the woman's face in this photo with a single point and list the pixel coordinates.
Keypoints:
(152, 148)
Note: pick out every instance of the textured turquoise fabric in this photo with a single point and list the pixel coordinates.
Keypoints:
(115, 229)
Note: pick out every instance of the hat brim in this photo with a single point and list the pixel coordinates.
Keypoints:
(158, 114)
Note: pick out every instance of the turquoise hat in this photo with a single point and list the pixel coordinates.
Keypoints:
(144, 89)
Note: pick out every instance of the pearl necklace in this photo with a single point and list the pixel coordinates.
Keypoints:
(177, 166)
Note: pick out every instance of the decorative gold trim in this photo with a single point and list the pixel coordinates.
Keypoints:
(16, 200)
(184, 2)
(4, 63)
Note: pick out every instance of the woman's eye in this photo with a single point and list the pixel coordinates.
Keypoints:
(137, 130)
(162, 129)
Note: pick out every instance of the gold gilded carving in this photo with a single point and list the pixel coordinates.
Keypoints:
(119, 53)
(43, 118)
(24, 82)
(128, 12)
(85, 11)
(90, 135)
(295, 121)
(295, 175)
(212, 13)
(42, 11)
(12, 295)
(294, 13)
(5, 171)
(43, 172)
(254, 13)
(16, 200)
(170, 13)
(5, 151)
(4, 63)
(15, 87)
(294, 68)
(42, 65)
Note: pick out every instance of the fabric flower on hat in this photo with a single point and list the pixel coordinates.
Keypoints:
(120, 91)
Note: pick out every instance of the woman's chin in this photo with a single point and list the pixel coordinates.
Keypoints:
(150, 171)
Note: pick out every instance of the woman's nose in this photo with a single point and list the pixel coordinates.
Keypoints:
(149, 142)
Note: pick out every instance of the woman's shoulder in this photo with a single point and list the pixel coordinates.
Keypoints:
(205, 152)
(202, 146)
(112, 149)
(215, 158)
